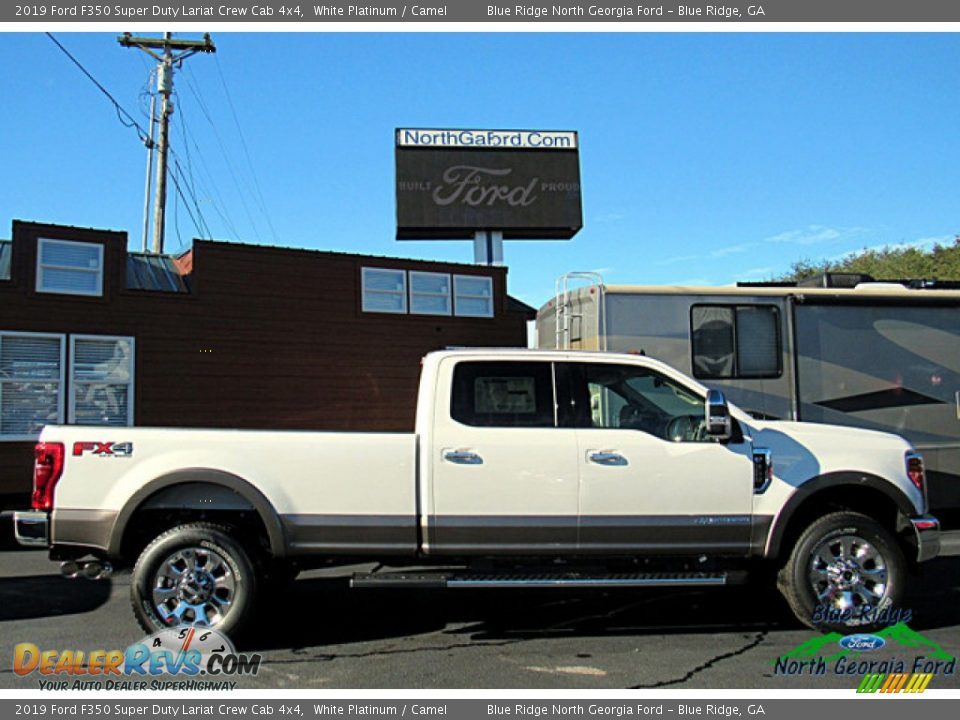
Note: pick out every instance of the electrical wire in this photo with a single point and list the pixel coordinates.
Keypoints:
(246, 151)
(216, 201)
(121, 112)
(223, 151)
(176, 221)
(181, 126)
(176, 185)
(201, 225)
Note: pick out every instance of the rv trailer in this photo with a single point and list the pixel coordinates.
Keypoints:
(839, 349)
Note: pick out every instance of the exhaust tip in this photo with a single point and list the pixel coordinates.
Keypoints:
(86, 569)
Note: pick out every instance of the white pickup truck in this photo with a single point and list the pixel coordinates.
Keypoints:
(527, 468)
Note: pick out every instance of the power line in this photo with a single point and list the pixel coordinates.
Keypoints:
(226, 156)
(121, 112)
(176, 185)
(202, 227)
(246, 152)
(216, 199)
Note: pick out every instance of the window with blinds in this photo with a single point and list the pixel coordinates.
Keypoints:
(44, 379)
(735, 341)
(31, 383)
(102, 380)
(69, 268)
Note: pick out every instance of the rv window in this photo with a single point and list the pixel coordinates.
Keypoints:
(712, 333)
(503, 394)
(757, 342)
(738, 341)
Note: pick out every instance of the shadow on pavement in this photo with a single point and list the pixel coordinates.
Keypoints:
(934, 595)
(326, 612)
(329, 613)
(39, 596)
(7, 539)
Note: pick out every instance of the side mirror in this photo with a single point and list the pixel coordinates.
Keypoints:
(717, 416)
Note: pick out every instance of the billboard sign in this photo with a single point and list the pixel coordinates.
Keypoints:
(453, 183)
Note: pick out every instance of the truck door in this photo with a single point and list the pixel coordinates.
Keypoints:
(651, 480)
(502, 477)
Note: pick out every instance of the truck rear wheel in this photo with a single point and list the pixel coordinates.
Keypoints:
(843, 572)
(194, 574)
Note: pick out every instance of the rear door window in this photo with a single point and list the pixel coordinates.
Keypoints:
(503, 394)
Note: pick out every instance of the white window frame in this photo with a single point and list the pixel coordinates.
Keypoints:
(402, 292)
(41, 266)
(61, 382)
(457, 295)
(74, 384)
(448, 295)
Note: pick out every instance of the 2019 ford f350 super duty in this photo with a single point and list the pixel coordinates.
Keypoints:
(528, 468)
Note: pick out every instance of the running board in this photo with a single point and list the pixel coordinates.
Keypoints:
(519, 580)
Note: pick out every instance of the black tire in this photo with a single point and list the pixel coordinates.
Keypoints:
(845, 572)
(220, 592)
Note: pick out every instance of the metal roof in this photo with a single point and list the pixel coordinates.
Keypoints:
(518, 306)
(6, 248)
(158, 273)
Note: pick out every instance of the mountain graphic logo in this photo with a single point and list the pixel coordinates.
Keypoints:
(900, 635)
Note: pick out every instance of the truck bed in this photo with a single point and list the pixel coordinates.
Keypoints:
(342, 492)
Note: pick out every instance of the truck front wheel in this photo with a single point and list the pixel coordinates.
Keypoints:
(843, 572)
(194, 574)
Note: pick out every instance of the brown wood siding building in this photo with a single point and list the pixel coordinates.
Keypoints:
(263, 337)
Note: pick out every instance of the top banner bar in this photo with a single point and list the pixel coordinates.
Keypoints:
(482, 11)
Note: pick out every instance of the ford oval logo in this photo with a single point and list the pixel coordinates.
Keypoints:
(862, 643)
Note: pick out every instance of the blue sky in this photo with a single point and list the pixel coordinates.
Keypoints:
(705, 158)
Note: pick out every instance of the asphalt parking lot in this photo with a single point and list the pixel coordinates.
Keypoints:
(320, 634)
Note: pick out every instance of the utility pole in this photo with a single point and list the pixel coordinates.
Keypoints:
(172, 53)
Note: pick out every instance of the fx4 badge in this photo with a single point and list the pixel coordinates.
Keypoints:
(103, 449)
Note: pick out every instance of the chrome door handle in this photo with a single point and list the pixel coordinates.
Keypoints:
(606, 457)
(462, 457)
(956, 396)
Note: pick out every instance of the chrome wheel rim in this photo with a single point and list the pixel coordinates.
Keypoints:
(194, 586)
(848, 573)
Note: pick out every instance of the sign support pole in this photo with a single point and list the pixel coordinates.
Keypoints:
(488, 247)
